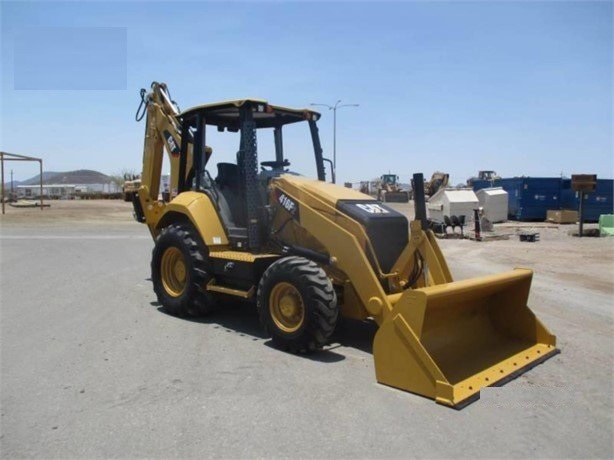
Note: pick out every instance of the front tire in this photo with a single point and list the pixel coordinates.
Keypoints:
(179, 271)
(297, 304)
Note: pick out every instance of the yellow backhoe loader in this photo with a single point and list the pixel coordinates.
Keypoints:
(305, 251)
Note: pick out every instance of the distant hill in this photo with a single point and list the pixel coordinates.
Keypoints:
(36, 179)
(81, 176)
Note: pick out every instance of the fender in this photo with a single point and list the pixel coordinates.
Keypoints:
(200, 211)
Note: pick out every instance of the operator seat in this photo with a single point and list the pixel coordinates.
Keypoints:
(227, 175)
(232, 199)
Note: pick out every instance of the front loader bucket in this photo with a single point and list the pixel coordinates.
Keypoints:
(448, 341)
(396, 197)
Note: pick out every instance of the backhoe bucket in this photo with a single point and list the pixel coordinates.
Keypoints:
(448, 341)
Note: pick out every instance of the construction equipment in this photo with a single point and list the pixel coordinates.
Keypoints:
(389, 190)
(438, 180)
(131, 186)
(490, 176)
(306, 250)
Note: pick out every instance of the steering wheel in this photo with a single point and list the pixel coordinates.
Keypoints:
(275, 164)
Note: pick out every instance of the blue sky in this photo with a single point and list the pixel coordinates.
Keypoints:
(524, 88)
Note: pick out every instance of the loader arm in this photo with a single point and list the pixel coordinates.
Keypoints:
(439, 338)
(422, 251)
(322, 221)
(355, 257)
(421, 254)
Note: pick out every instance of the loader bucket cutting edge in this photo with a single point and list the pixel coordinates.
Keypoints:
(446, 342)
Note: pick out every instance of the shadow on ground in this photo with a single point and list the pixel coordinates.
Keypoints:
(241, 318)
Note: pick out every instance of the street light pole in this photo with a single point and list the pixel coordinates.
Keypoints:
(334, 108)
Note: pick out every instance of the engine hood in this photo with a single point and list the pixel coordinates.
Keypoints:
(386, 228)
(330, 193)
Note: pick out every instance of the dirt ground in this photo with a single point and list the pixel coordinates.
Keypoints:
(61, 211)
(588, 261)
(559, 253)
(572, 265)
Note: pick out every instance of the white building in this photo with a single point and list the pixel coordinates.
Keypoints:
(452, 202)
(495, 203)
(56, 191)
(49, 190)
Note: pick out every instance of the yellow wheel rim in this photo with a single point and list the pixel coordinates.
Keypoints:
(173, 272)
(286, 307)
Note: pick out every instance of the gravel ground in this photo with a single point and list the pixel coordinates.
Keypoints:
(91, 367)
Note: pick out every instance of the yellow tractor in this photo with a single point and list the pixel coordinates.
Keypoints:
(130, 186)
(390, 191)
(305, 251)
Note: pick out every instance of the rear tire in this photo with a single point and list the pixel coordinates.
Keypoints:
(297, 304)
(179, 271)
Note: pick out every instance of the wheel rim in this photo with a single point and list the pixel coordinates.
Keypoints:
(286, 307)
(173, 272)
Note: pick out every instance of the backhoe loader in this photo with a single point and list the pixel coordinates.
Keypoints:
(305, 251)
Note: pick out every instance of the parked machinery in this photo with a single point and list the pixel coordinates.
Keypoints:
(305, 251)
(130, 186)
(438, 180)
(390, 190)
(491, 176)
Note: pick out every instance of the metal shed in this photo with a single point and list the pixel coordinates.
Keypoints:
(494, 201)
(452, 202)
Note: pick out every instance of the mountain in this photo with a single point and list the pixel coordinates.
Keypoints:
(36, 179)
(81, 176)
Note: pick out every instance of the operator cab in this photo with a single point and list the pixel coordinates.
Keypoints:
(390, 179)
(240, 189)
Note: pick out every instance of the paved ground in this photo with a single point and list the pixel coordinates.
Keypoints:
(91, 366)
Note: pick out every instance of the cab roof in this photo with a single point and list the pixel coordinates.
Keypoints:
(226, 114)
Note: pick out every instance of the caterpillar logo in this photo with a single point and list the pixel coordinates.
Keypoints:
(172, 145)
(372, 208)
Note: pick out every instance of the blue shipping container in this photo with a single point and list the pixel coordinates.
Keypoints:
(596, 203)
(529, 198)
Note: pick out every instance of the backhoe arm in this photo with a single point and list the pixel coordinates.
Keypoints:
(162, 131)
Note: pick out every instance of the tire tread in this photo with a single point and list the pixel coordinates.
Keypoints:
(321, 315)
(197, 301)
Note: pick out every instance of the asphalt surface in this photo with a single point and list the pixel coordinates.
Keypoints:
(92, 367)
